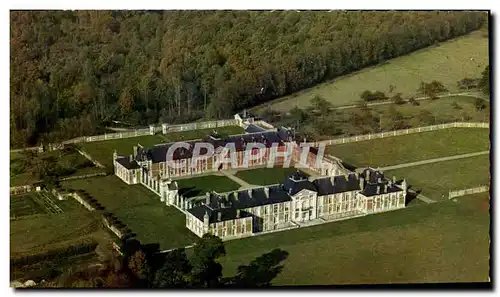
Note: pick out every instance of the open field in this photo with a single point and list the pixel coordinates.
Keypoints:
(447, 62)
(442, 109)
(27, 174)
(440, 242)
(198, 186)
(412, 147)
(436, 180)
(102, 151)
(39, 233)
(265, 176)
(140, 209)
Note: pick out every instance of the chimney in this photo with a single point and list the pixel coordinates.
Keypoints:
(207, 198)
(379, 180)
(385, 188)
(135, 151)
(378, 189)
(237, 213)
(393, 179)
(266, 191)
(206, 219)
(219, 216)
(368, 175)
(131, 158)
(249, 193)
(332, 180)
(361, 183)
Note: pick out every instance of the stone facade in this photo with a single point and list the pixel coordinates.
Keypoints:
(297, 201)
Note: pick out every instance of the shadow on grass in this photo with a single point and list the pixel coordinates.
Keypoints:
(260, 272)
(189, 192)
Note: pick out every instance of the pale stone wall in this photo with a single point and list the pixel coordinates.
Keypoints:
(458, 193)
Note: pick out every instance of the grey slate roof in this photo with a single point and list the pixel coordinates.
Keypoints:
(125, 162)
(158, 153)
(340, 184)
(226, 213)
(297, 182)
(254, 128)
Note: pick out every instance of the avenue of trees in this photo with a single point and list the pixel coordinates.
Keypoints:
(74, 71)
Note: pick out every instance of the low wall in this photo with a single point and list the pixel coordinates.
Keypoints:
(21, 189)
(82, 201)
(399, 132)
(113, 228)
(83, 153)
(458, 193)
(201, 125)
(83, 176)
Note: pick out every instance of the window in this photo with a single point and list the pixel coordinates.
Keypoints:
(296, 215)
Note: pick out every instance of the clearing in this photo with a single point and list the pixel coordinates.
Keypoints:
(140, 209)
(447, 62)
(412, 147)
(440, 242)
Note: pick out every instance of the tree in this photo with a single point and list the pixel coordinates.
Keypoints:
(126, 103)
(319, 103)
(397, 99)
(467, 83)
(480, 104)
(431, 89)
(369, 96)
(413, 101)
(175, 272)
(484, 81)
(206, 271)
(139, 267)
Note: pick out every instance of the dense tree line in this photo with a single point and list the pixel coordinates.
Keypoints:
(73, 71)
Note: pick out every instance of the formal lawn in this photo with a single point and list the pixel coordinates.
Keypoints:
(198, 186)
(265, 176)
(447, 62)
(440, 242)
(412, 147)
(102, 151)
(140, 209)
(437, 179)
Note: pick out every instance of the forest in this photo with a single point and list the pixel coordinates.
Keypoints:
(72, 72)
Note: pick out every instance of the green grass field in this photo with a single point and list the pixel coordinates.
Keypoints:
(440, 242)
(140, 209)
(265, 176)
(412, 147)
(447, 62)
(442, 109)
(198, 186)
(437, 179)
(102, 151)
